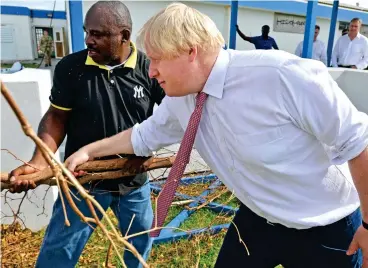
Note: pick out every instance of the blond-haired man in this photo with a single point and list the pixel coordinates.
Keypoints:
(351, 50)
(275, 140)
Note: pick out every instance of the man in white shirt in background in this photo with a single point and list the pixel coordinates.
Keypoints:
(319, 48)
(351, 50)
(274, 129)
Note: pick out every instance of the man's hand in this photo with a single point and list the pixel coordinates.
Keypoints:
(18, 186)
(79, 157)
(360, 240)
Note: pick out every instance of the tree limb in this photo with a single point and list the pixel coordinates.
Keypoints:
(56, 164)
(113, 169)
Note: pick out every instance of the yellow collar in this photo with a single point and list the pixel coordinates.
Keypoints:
(130, 63)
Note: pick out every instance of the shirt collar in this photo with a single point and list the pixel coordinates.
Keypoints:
(357, 37)
(131, 62)
(216, 80)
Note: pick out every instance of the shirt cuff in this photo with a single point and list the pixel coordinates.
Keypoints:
(139, 147)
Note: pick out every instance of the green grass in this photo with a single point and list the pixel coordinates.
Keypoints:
(187, 253)
(26, 65)
(228, 199)
(200, 251)
(203, 218)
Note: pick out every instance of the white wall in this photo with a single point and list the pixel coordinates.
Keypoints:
(22, 36)
(141, 11)
(250, 22)
(30, 88)
(354, 84)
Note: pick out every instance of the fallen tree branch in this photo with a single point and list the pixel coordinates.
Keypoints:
(113, 169)
(59, 168)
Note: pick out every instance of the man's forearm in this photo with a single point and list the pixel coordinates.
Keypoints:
(359, 171)
(51, 131)
(117, 144)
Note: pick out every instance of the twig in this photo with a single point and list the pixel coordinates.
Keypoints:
(199, 255)
(207, 201)
(183, 202)
(47, 153)
(16, 158)
(130, 225)
(108, 255)
(92, 209)
(240, 239)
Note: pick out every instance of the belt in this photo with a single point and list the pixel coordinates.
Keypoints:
(345, 66)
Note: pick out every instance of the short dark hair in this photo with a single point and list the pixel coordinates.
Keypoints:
(317, 27)
(356, 19)
(116, 9)
(265, 27)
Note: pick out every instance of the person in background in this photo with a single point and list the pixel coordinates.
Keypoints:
(263, 41)
(97, 92)
(46, 47)
(351, 50)
(344, 31)
(319, 48)
(275, 128)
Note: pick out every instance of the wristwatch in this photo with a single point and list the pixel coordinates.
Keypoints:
(365, 225)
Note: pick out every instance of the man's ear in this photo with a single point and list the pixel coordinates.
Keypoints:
(193, 53)
(125, 35)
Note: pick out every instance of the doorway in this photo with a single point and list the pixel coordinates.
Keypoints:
(39, 33)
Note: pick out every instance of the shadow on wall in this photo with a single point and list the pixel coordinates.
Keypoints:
(354, 84)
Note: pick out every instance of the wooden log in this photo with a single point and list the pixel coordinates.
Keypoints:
(109, 169)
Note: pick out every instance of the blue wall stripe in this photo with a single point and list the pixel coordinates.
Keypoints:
(12, 10)
(36, 13)
(33, 13)
(300, 8)
(76, 24)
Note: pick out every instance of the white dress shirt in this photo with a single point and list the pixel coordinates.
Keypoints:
(319, 51)
(273, 129)
(351, 52)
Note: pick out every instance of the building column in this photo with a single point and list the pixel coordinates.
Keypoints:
(310, 24)
(76, 25)
(233, 22)
(331, 36)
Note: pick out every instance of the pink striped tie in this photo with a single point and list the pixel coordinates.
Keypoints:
(182, 159)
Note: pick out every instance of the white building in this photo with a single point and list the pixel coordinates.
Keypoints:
(285, 18)
(22, 28)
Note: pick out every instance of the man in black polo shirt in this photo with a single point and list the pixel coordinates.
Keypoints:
(97, 93)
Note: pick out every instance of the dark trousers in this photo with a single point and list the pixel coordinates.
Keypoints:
(272, 244)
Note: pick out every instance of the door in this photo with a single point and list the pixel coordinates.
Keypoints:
(39, 33)
(59, 42)
(8, 44)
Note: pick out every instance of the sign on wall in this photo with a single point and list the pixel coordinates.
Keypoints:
(288, 23)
